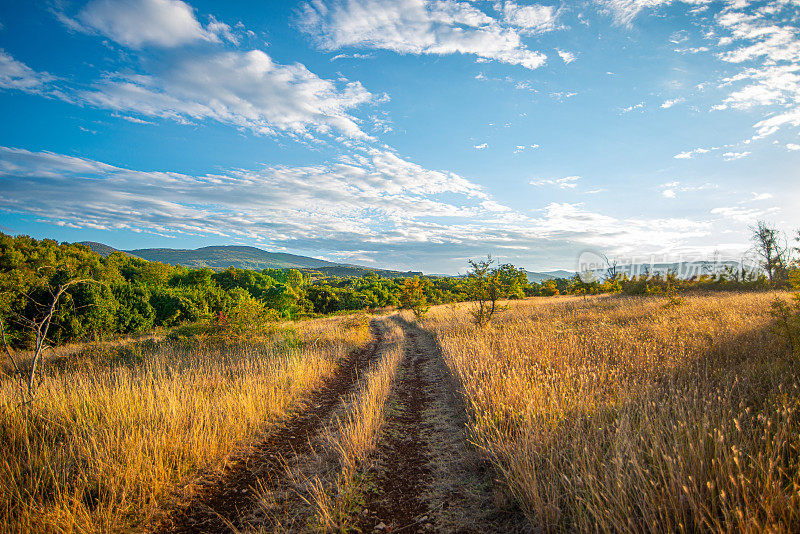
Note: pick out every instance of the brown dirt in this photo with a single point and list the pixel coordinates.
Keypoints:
(226, 501)
(402, 470)
(427, 477)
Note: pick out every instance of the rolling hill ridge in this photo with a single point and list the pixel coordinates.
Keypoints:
(220, 258)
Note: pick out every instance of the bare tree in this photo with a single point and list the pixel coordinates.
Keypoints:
(39, 327)
(797, 249)
(611, 269)
(772, 250)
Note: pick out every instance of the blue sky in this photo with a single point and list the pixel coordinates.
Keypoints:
(410, 134)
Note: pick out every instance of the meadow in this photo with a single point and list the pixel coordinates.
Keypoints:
(634, 414)
(113, 438)
(597, 413)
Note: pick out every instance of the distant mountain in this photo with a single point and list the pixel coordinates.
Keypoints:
(346, 271)
(549, 275)
(220, 258)
(102, 249)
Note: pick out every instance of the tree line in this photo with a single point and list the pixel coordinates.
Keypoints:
(120, 294)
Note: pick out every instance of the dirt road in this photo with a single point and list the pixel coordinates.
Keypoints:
(227, 503)
(425, 476)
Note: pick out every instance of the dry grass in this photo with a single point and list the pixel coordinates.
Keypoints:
(348, 441)
(621, 414)
(107, 444)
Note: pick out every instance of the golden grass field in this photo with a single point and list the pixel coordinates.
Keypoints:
(608, 413)
(622, 414)
(106, 445)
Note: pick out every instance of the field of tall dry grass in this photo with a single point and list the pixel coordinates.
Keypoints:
(610, 413)
(623, 414)
(114, 438)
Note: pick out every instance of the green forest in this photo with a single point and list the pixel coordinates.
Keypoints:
(121, 294)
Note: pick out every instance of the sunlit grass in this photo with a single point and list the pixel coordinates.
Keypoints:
(621, 414)
(331, 480)
(108, 444)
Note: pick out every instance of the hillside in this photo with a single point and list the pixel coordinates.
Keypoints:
(346, 271)
(549, 275)
(220, 258)
(102, 249)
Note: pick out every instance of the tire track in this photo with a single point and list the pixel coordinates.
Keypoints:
(402, 460)
(226, 502)
(428, 478)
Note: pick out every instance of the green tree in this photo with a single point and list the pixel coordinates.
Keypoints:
(485, 288)
(413, 297)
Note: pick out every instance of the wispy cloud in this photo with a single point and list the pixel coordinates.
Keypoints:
(671, 102)
(19, 76)
(162, 23)
(624, 11)
(374, 193)
(566, 57)
(529, 18)
(671, 189)
(735, 155)
(438, 27)
(522, 148)
(634, 107)
(561, 96)
(568, 182)
(691, 153)
(373, 200)
(743, 215)
(245, 89)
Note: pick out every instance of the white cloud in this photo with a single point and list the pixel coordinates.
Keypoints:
(353, 56)
(634, 107)
(729, 156)
(763, 40)
(562, 95)
(566, 57)
(245, 89)
(372, 200)
(374, 193)
(743, 215)
(522, 148)
(438, 27)
(573, 221)
(481, 146)
(766, 42)
(671, 189)
(17, 75)
(671, 102)
(624, 11)
(568, 182)
(493, 206)
(136, 24)
(774, 123)
(690, 153)
(532, 18)
(792, 146)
